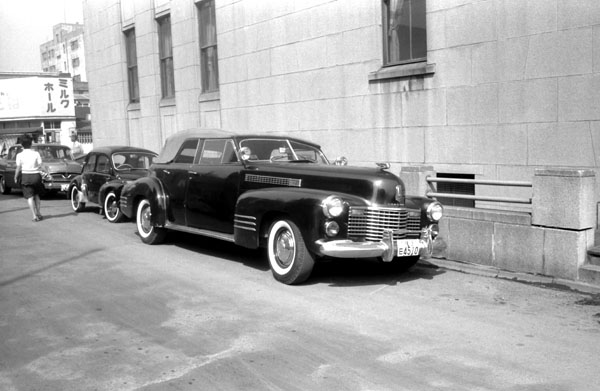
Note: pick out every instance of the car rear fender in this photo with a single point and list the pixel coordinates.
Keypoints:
(148, 188)
(256, 210)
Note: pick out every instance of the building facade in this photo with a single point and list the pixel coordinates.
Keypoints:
(65, 52)
(37, 103)
(484, 89)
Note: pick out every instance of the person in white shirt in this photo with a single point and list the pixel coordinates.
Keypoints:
(76, 147)
(29, 173)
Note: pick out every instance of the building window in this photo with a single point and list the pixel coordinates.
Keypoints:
(167, 76)
(75, 62)
(74, 45)
(208, 46)
(132, 68)
(404, 31)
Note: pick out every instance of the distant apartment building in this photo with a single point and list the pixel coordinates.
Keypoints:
(478, 89)
(65, 52)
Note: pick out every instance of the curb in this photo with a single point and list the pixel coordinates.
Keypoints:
(493, 272)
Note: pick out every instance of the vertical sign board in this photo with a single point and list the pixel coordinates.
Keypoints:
(36, 97)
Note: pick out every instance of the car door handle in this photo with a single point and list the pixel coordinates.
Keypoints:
(192, 173)
(167, 172)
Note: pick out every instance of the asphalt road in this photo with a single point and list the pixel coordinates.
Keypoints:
(85, 305)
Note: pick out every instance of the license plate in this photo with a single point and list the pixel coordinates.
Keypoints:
(64, 187)
(408, 247)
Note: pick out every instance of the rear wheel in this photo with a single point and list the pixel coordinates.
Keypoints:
(147, 231)
(3, 188)
(290, 260)
(111, 208)
(76, 197)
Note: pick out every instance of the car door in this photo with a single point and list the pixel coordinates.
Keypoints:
(213, 187)
(11, 166)
(174, 178)
(97, 177)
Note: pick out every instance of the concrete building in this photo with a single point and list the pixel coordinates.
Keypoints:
(65, 52)
(474, 89)
(503, 87)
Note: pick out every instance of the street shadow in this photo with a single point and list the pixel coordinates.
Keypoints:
(50, 217)
(333, 271)
(368, 271)
(51, 266)
(14, 210)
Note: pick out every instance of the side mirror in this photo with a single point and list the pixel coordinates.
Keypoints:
(341, 161)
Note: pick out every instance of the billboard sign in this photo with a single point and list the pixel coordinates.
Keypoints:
(29, 97)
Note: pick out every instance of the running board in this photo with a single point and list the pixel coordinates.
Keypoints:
(203, 232)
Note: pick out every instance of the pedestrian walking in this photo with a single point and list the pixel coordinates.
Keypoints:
(76, 147)
(29, 175)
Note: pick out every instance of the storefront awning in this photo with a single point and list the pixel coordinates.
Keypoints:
(18, 131)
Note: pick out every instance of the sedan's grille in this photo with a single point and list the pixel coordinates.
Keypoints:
(62, 177)
(368, 223)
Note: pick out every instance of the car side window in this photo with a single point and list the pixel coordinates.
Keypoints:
(103, 164)
(90, 163)
(187, 152)
(217, 152)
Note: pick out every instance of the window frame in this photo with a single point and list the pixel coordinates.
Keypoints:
(165, 53)
(209, 54)
(385, 12)
(133, 84)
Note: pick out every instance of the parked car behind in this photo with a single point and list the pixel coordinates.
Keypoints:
(105, 171)
(58, 166)
(283, 194)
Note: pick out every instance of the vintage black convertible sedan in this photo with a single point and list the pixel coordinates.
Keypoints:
(280, 193)
(105, 171)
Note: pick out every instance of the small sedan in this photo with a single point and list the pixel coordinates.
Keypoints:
(105, 171)
(58, 167)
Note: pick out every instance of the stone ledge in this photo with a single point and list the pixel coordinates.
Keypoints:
(402, 71)
(565, 172)
(493, 215)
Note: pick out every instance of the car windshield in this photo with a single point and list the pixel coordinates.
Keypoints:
(53, 152)
(282, 150)
(132, 160)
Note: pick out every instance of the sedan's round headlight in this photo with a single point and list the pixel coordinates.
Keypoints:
(332, 206)
(435, 210)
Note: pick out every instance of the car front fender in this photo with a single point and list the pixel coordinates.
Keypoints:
(149, 188)
(256, 210)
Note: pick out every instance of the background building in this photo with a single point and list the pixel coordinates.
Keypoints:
(484, 89)
(65, 52)
(38, 103)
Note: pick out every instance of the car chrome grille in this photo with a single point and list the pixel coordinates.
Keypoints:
(368, 223)
(273, 180)
(61, 177)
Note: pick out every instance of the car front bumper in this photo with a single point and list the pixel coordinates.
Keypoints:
(387, 248)
(58, 186)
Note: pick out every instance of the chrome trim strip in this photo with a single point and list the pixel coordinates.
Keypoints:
(203, 232)
(246, 228)
(273, 180)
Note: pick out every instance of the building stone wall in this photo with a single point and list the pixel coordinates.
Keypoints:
(515, 84)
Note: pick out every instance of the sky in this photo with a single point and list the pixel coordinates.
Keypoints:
(26, 24)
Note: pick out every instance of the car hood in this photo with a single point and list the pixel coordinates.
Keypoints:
(61, 166)
(373, 184)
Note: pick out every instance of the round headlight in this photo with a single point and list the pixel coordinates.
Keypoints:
(332, 206)
(332, 228)
(435, 210)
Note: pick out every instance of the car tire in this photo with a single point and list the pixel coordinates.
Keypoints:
(111, 208)
(3, 188)
(290, 260)
(76, 195)
(148, 232)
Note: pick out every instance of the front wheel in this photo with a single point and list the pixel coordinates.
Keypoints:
(289, 258)
(76, 197)
(148, 232)
(3, 188)
(111, 208)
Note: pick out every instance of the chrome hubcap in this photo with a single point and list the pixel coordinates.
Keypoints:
(285, 248)
(146, 217)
